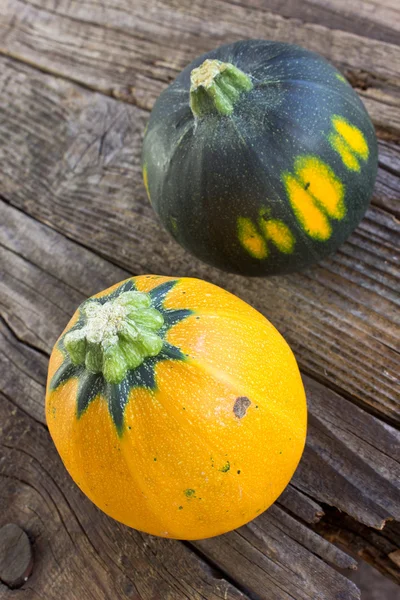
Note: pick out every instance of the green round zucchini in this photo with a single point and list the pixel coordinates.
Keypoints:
(260, 158)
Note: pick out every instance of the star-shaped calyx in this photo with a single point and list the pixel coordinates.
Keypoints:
(117, 336)
(116, 344)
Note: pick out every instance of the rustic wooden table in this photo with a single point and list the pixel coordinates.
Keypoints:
(78, 79)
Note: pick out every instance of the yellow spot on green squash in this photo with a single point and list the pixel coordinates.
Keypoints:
(146, 181)
(250, 238)
(315, 194)
(322, 184)
(348, 158)
(311, 218)
(279, 234)
(349, 142)
(352, 135)
(341, 78)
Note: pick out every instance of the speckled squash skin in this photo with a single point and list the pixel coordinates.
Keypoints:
(196, 441)
(278, 184)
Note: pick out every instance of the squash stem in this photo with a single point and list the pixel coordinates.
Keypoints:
(215, 88)
(116, 336)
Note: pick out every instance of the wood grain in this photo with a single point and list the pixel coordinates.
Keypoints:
(387, 187)
(352, 459)
(24, 372)
(301, 505)
(262, 547)
(381, 551)
(372, 19)
(71, 158)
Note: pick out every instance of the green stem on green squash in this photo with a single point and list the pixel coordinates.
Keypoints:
(117, 336)
(215, 87)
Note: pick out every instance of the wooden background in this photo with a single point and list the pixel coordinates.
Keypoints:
(78, 79)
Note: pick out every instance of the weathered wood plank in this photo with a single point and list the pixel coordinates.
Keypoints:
(148, 44)
(355, 455)
(78, 548)
(383, 109)
(71, 158)
(351, 461)
(262, 547)
(24, 372)
(373, 19)
(301, 505)
(380, 550)
(387, 187)
(51, 295)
